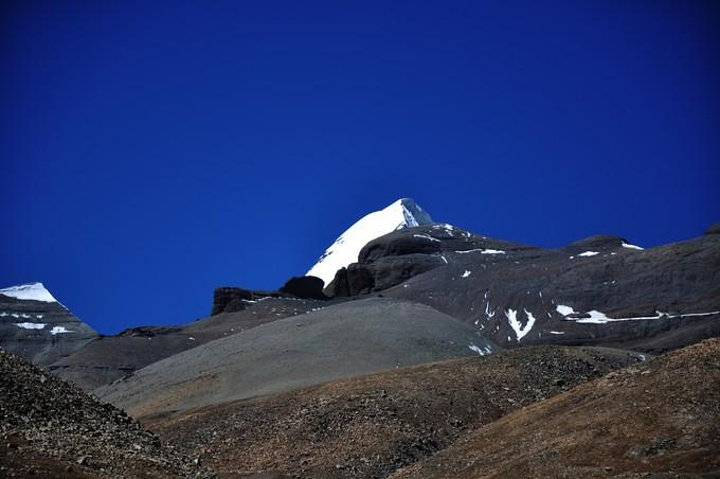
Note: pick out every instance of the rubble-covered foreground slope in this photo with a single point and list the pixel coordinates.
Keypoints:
(660, 419)
(369, 426)
(50, 428)
(344, 340)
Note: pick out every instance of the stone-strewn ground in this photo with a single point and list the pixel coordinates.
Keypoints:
(50, 428)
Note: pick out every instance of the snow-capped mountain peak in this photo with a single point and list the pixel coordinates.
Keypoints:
(31, 291)
(403, 213)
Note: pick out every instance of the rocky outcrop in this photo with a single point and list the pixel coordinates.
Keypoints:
(355, 280)
(597, 243)
(304, 287)
(231, 300)
(148, 331)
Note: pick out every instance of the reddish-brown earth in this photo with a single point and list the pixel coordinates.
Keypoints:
(372, 425)
(659, 419)
(545, 411)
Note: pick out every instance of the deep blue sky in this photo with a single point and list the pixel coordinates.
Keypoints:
(152, 151)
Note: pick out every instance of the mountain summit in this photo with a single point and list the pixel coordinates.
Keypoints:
(404, 213)
(30, 291)
(37, 327)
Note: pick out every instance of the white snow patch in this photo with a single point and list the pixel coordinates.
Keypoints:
(479, 350)
(557, 332)
(589, 253)
(481, 251)
(632, 246)
(520, 330)
(466, 274)
(598, 317)
(447, 227)
(564, 310)
(346, 248)
(30, 325)
(33, 292)
(426, 236)
(60, 330)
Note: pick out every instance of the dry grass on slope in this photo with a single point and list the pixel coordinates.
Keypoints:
(660, 419)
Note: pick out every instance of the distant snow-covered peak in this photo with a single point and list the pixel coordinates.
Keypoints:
(404, 213)
(32, 291)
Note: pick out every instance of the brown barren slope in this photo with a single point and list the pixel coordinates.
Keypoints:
(660, 419)
(372, 425)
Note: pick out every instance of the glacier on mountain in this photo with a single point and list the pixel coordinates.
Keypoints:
(32, 291)
(403, 213)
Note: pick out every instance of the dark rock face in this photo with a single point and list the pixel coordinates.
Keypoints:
(230, 300)
(404, 254)
(599, 290)
(148, 331)
(597, 243)
(304, 287)
(354, 280)
(39, 331)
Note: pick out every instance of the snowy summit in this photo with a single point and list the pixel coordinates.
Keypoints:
(403, 213)
(32, 291)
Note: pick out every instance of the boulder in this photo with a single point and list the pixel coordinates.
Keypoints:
(304, 287)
